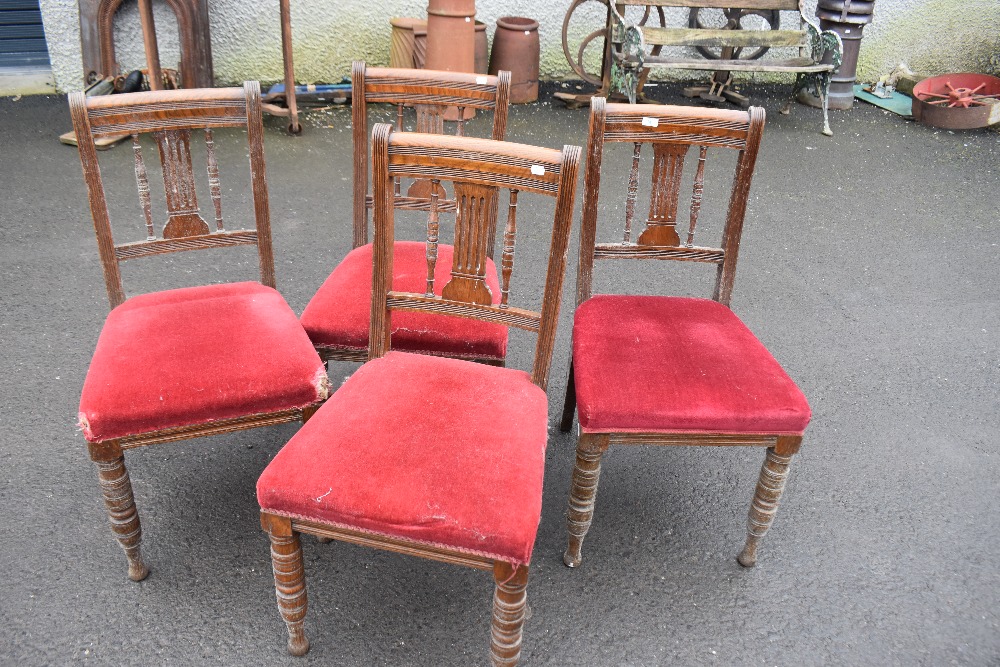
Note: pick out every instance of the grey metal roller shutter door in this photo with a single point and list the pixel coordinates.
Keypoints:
(22, 40)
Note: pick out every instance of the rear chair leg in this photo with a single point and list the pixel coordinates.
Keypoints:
(509, 603)
(569, 406)
(771, 483)
(116, 487)
(583, 495)
(289, 579)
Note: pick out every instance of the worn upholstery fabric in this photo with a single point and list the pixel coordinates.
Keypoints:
(429, 449)
(680, 365)
(339, 314)
(195, 355)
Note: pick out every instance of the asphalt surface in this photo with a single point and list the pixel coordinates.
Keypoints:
(869, 269)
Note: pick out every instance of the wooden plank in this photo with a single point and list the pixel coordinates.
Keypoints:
(789, 65)
(722, 38)
(789, 5)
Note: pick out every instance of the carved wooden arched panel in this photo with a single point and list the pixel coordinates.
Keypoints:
(97, 40)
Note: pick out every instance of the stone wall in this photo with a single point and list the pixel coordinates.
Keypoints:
(931, 36)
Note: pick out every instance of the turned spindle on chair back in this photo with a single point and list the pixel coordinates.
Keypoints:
(672, 132)
(478, 169)
(431, 93)
(171, 116)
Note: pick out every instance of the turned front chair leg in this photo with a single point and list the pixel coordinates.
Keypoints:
(289, 579)
(116, 487)
(771, 483)
(509, 604)
(583, 494)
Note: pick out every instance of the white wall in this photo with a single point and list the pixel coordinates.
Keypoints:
(932, 36)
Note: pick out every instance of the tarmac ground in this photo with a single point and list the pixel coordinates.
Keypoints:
(869, 267)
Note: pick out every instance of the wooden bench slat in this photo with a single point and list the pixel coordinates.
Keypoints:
(788, 5)
(722, 38)
(786, 65)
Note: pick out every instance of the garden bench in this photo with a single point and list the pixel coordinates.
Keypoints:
(635, 47)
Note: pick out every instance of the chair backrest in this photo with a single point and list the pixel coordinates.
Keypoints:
(478, 169)
(430, 93)
(170, 116)
(672, 131)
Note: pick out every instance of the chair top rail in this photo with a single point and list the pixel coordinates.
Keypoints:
(720, 127)
(482, 161)
(167, 110)
(394, 85)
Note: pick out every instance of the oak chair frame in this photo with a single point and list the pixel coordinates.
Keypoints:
(670, 130)
(170, 116)
(430, 93)
(479, 167)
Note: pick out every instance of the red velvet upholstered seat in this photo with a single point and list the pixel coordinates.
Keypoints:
(429, 449)
(195, 355)
(680, 365)
(339, 314)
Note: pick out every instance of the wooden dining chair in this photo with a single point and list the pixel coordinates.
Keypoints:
(194, 361)
(425, 455)
(337, 317)
(668, 370)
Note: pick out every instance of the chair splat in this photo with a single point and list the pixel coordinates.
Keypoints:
(476, 213)
(668, 165)
(183, 216)
(430, 118)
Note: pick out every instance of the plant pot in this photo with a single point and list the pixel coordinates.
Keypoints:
(482, 59)
(420, 45)
(451, 35)
(402, 42)
(516, 49)
(451, 41)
